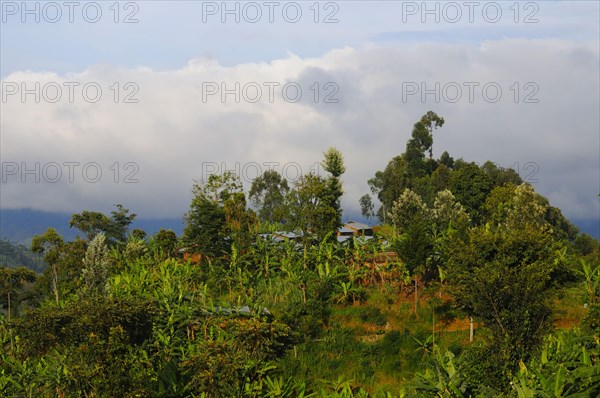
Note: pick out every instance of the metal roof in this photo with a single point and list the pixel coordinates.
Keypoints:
(357, 225)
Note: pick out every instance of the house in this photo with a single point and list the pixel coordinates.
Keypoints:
(282, 236)
(362, 232)
(357, 228)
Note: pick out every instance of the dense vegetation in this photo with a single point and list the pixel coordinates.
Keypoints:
(15, 255)
(228, 310)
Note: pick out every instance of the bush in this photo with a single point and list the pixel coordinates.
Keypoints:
(372, 315)
(591, 323)
(307, 320)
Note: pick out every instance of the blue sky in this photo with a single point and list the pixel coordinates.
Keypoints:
(168, 34)
(374, 52)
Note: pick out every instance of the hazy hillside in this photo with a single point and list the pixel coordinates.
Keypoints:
(13, 256)
(19, 226)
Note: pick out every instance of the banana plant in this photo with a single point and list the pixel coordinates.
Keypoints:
(591, 283)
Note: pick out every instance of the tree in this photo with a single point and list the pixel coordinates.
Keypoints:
(333, 163)
(447, 160)
(204, 224)
(165, 241)
(504, 279)
(310, 207)
(267, 194)
(526, 210)
(241, 223)
(389, 184)
(367, 208)
(12, 280)
(90, 222)
(497, 202)
(218, 216)
(414, 247)
(420, 142)
(440, 178)
(314, 203)
(409, 209)
(410, 169)
(96, 265)
(51, 245)
(432, 121)
(448, 212)
(218, 188)
(114, 227)
(119, 223)
(470, 185)
(139, 234)
(411, 218)
(501, 176)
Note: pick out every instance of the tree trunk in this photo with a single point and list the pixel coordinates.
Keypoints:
(55, 283)
(416, 294)
(470, 329)
(8, 306)
(433, 327)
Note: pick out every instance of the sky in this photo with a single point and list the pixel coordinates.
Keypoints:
(132, 102)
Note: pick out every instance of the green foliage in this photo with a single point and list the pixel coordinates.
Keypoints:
(17, 255)
(11, 281)
(307, 319)
(333, 162)
(205, 224)
(114, 227)
(448, 212)
(470, 185)
(164, 243)
(119, 315)
(267, 193)
(48, 328)
(232, 353)
(585, 245)
(218, 217)
(372, 315)
(414, 247)
(408, 210)
(367, 208)
(568, 366)
(95, 265)
(312, 206)
(503, 278)
(64, 262)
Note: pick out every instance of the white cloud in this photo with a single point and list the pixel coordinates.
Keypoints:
(171, 131)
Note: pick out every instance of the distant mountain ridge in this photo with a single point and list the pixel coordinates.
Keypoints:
(20, 226)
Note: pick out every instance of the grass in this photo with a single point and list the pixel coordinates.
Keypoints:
(376, 343)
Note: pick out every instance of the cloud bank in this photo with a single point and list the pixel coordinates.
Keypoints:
(530, 104)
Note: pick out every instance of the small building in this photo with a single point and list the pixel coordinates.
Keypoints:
(352, 229)
(355, 228)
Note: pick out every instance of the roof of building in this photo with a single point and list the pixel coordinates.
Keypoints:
(356, 225)
(358, 239)
(344, 230)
